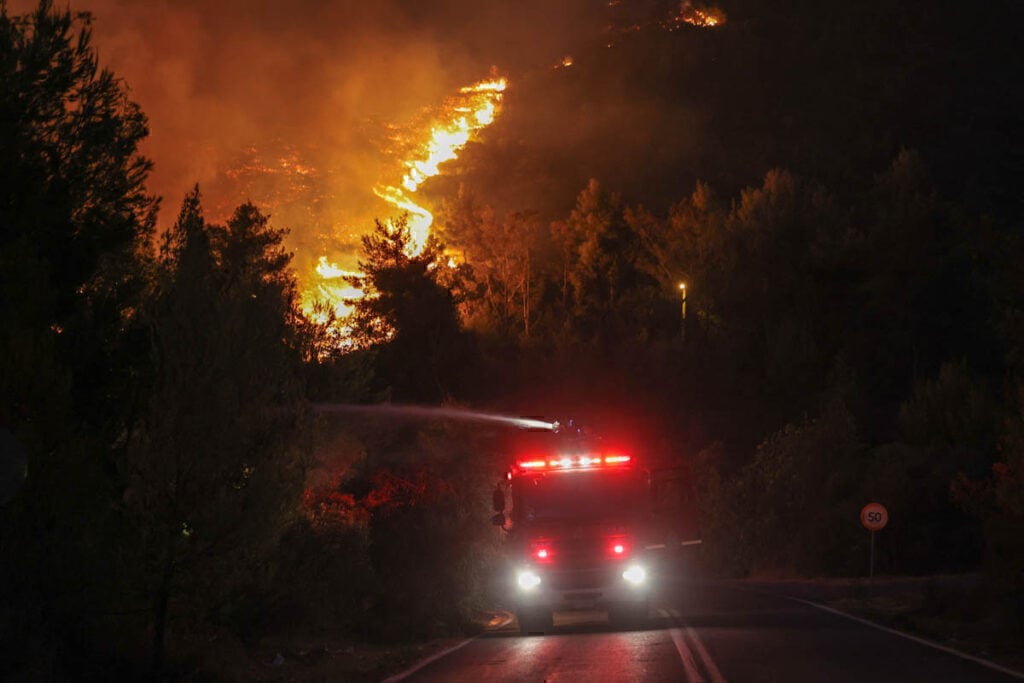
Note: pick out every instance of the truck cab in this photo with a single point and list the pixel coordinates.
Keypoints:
(578, 532)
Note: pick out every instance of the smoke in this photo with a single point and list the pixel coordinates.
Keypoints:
(295, 105)
(303, 107)
(285, 104)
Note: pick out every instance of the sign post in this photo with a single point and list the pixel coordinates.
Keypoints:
(874, 517)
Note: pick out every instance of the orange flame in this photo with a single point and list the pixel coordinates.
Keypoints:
(700, 15)
(332, 287)
(472, 110)
(461, 118)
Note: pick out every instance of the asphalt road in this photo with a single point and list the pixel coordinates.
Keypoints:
(707, 632)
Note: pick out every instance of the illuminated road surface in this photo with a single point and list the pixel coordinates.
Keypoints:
(709, 633)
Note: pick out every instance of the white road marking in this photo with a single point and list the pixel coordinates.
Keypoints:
(702, 652)
(942, 648)
(692, 672)
(429, 660)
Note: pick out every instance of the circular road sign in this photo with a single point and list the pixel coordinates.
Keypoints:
(874, 516)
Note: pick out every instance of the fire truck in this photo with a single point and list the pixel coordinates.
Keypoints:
(587, 525)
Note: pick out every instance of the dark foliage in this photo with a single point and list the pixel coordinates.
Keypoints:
(75, 221)
(215, 466)
(409, 315)
(851, 331)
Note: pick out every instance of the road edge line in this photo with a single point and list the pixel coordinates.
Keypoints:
(709, 663)
(678, 636)
(917, 639)
(429, 660)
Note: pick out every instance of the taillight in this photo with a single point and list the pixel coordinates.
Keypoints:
(541, 551)
(618, 547)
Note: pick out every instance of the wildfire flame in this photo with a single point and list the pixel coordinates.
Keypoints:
(700, 15)
(472, 110)
(460, 119)
(332, 287)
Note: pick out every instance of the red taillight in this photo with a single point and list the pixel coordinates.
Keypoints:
(616, 459)
(532, 464)
(618, 547)
(541, 551)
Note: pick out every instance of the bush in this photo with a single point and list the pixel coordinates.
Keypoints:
(324, 580)
(793, 508)
(394, 545)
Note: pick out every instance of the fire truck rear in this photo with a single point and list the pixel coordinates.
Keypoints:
(579, 536)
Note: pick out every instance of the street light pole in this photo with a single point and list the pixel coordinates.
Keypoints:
(682, 319)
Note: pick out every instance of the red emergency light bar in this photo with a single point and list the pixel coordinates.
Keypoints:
(574, 462)
(532, 464)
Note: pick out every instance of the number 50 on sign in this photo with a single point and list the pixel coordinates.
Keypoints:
(874, 516)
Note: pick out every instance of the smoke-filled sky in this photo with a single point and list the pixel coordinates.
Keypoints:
(295, 105)
(304, 107)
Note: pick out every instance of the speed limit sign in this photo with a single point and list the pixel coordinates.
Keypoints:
(874, 516)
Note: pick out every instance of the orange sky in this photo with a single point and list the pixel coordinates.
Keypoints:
(303, 106)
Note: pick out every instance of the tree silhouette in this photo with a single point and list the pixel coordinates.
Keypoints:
(214, 473)
(502, 259)
(75, 224)
(73, 207)
(409, 314)
(607, 293)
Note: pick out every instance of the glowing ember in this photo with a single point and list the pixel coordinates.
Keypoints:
(700, 15)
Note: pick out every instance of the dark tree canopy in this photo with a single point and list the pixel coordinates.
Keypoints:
(75, 217)
(215, 465)
(75, 225)
(410, 313)
(852, 329)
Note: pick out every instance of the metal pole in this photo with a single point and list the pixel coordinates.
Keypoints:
(682, 317)
(871, 562)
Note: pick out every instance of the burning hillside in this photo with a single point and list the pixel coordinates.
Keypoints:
(458, 121)
(266, 104)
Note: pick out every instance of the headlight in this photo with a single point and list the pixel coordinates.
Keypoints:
(635, 574)
(528, 580)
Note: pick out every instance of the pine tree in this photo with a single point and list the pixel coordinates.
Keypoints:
(216, 469)
(410, 315)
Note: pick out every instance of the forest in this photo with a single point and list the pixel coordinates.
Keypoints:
(853, 331)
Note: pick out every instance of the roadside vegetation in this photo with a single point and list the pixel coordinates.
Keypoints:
(173, 496)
